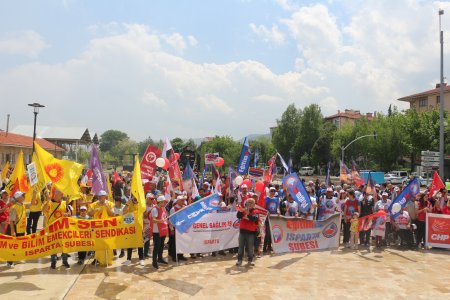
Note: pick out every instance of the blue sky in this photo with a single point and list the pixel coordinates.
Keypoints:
(204, 68)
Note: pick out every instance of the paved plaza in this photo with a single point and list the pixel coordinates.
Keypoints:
(337, 274)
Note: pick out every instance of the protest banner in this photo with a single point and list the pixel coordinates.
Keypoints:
(212, 232)
(211, 158)
(71, 235)
(32, 173)
(291, 234)
(437, 231)
(296, 189)
(244, 159)
(255, 173)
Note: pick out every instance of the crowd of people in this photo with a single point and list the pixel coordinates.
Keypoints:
(352, 202)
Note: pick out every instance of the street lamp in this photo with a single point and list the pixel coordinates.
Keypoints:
(36, 107)
(358, 138)
(441, 102)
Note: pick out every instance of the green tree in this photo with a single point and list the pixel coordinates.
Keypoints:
(110, 138)
(321, 150)
(288, 127)
(265, 147)
(227, 148)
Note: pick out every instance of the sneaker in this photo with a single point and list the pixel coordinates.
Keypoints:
(94, 262)
(155, 265)
(182, 258)
(122, 254)
(11, 265)
(239, 263)
(66, 264)
(141, 262)
(251, 263)
(162, 261)
(53, 265)
(127, 262)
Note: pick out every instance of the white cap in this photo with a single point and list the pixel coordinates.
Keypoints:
(18, 195)
(83, 207)
(329, 189)
(3, 191)
(149, 195)
(180, 198)
(385, 194)
(272, 188)
(160, 198)
(102, 193)
(244, 186)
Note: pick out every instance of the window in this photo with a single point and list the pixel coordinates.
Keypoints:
(423, 102)
(438, 99)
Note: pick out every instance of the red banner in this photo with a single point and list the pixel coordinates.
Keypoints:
(268, 173)
(438, 231)
(174, 172)
(148, 164)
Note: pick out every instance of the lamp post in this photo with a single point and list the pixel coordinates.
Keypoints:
(36, 107)
(358, 138)
(441, 102)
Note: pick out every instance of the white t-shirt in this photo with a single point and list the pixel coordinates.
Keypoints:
(118, 211)
(155, 216)
(291, 208)
(328, 207)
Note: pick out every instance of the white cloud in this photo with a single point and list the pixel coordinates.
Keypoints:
(176, 41)
(267, 98)
(153, 100)
(287, 4)
(214, 104)
(273, 35)
(192, 40)
(27, 43)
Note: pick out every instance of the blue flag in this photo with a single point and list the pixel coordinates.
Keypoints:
(183, 219)
(328, 178)
(203, 175)
(188, 172)
(256, 159)
(244, 160)
(409, 192)
(297, 190)
(285, 166)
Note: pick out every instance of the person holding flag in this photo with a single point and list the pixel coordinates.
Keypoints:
(248, 226)
(4, 211)
(179, 204)
(160, 229)
(102, 209)
(55, 209)
(130, 208)
(17, 218)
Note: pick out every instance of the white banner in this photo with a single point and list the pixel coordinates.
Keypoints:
(211, 158)
(212, 232)
(32, 173)
(291, 234)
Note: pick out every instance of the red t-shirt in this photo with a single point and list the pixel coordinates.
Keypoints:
(446, 210)
(422, 215)
(4, 215)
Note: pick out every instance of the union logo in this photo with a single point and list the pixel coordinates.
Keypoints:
(54, 171)
(330, 230)
(277, 234)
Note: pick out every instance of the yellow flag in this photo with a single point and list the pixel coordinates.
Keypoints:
(110, 195)
(18, 180)
(62, 173)
(39, 186)
(5, 171)
(138, 190)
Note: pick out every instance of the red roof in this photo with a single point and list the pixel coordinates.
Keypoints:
(18, 140)
(434, 91)
(350, 114)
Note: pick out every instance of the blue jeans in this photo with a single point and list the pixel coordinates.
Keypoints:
(246, 241)
(53, 258)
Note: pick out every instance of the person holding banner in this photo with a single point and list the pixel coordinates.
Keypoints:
(423, 209)
(130, 208)
(17, 218)
(4, 211)
(54, 209)
(35, 212)
(102, 209)
(83, 214)
(160, 229)
(249, 221)
(352, 205)
(179, 204)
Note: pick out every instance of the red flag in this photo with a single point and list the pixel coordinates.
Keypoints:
(365, 223)
(268, 172)
(148, 163)
(436, 184)
(174, 172)
(116, 177)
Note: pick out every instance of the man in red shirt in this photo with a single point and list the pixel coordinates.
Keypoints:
(446, 209)
(247, 230)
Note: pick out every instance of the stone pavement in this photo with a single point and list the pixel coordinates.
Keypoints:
(337, 274)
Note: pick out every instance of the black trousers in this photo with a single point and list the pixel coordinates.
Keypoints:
(364, 237)
(406, 237)
(172, 246)
(140, 253)
(146, 247)
(158, 247)
(420, 232)
(82, 255)
(346, 232)
(267, 246)
(32, 221)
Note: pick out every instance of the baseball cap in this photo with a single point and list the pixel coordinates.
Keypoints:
(385, 194)
(2, 192)
(329, 189)
(272, 188)
(102, 193)
(180, 198)
(161, 198)
(18, 194)
(83, 208)
(244, 186)
(149, 195)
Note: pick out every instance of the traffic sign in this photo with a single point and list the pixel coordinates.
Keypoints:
(430, 153)
(430, 164)
(430, 158)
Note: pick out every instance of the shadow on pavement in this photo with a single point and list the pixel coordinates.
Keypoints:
(8, 287)
(286, 263)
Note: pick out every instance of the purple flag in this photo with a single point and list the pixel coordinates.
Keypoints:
(98, 178)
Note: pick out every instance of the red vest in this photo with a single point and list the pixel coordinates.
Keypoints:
(163, 228)
(248, 225)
